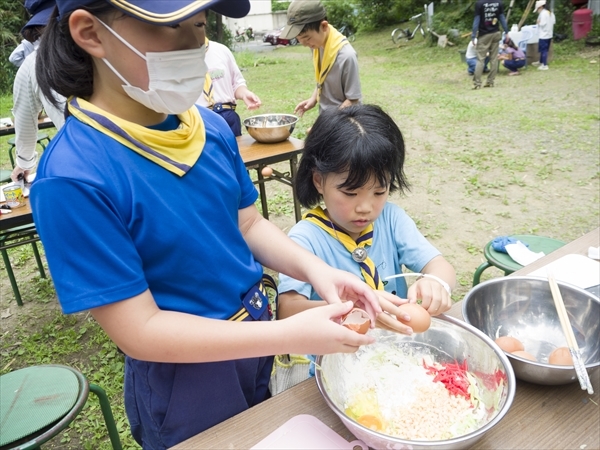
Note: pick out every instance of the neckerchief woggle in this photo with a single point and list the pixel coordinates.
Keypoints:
(174, 150)
(367, 267)
(335, 42)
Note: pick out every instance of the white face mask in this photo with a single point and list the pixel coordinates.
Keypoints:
(176, 79)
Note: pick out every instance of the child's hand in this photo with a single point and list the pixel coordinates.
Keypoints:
(387, 319)
(251, 100)
(318, 331)
(433, 295)
(304, 106)
(335, 285)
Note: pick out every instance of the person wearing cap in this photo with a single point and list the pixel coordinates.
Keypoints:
(334, 59)
(545, 23)
(489, 15)
(28, 100)
(224, 85)
(32, 31)
(512, 57)
(158, 235)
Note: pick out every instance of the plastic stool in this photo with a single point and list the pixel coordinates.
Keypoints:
(41, 138)
(505, 263)
(14, 237)
(38, 402)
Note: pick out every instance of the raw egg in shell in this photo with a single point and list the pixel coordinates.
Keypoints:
(560, 356)
(509, 344)
(525, 355)
(420, 320)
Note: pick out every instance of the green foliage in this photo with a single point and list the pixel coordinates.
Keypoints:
(12, 17)
(277, 5)
(341, 13)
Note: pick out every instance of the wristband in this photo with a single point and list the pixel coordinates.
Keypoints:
(422, 275)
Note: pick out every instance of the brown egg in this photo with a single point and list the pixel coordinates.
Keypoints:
(266, 171)
(357, 320)
(560, 356)
(525, 355)
(420, 320)
(509, 344)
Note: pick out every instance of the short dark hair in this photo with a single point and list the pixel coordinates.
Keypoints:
(362, 140)
(61, 65)
(33, 33)
(315, 26)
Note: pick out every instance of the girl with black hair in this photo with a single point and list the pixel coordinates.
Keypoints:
(353, 159)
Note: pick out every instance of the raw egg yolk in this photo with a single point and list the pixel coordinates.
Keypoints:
(370, 421)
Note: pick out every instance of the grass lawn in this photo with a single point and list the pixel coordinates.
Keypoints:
(521, 158)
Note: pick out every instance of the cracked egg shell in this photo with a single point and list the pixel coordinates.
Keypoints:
(357, 320)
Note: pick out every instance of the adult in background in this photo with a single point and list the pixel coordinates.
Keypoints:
(32, 31)
(545, 22)
(334, 59)
(224, 85)
(489, 15)
(512, 57)
(28, 100)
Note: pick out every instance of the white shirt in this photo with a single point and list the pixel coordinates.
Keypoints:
(546, 22)
(28, 102)
(471, 52)
(224, 72)
(22, 51)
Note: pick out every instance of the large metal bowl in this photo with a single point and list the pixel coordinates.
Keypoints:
(270, 128)
(522, 307)
(447, 340)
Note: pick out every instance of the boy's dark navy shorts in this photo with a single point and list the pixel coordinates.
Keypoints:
(168, 403)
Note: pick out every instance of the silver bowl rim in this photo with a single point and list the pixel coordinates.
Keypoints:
(526, 277)
(511, 384)
(272, 114)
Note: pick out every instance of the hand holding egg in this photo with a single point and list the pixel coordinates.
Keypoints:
(433, 295)
(419, 321)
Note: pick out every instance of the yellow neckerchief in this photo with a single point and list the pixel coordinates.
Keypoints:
(208, 86)
(367, 267)
(175, 150)
(335, 41)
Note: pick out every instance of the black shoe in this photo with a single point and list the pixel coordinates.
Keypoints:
(477, 86)
(488, 85)
(486, 71)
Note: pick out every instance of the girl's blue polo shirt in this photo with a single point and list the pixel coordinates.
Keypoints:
(397, 243)
(114, 223)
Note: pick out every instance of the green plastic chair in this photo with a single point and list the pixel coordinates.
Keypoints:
(508, 265)
(14, 237)
(38, 402)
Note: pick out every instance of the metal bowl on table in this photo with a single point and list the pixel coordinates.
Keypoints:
(271, 128)
(523, 308)
(448, 340)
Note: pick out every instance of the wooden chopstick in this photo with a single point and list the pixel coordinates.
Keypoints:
(582, 375)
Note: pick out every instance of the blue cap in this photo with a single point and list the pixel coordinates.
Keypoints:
(164, 12)
(40, 11)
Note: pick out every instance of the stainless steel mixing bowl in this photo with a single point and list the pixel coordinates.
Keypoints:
(270, 128)
(522, 307)
(447, 340)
